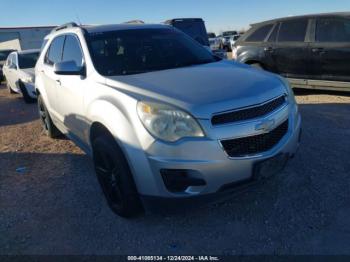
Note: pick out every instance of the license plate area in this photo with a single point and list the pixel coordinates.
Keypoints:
(270, 167)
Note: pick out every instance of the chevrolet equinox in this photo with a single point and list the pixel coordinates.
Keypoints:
(163, 119)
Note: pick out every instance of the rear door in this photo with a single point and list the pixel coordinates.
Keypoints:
(331, 49)
(291, 50)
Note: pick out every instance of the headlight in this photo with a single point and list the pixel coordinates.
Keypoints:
(28, 79)
(166, 122)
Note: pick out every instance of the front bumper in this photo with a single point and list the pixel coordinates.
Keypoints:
(206, 159)
(30, 87)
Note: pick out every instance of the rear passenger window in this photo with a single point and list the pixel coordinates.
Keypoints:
(293, 31)
(72, 50)
(333, 30)
(54, 54)
(260, 34)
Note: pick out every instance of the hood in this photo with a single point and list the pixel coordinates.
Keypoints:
(203, 89)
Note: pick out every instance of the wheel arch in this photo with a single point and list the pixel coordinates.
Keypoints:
(108, 119)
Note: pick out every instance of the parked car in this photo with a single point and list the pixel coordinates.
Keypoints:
(226, 38)
(214, 42)
(215, 46)
(194, 27)
(233, 41)
(163, 119)
(312, 51)
(3, 56)
(19, 73)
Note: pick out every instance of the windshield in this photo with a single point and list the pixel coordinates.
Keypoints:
(211, 35)
(27, 60)
(125, 52)
(4, 54)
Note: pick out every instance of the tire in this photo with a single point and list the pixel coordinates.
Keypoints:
(115, 178)
(257, 66)
(26, 97)
(49, 127)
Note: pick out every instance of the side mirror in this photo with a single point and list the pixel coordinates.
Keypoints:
(68, 68)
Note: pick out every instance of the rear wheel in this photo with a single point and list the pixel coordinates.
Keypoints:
(49, 127)
(25, 94)
(115, 177)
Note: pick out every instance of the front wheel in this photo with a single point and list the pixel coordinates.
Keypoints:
(115, 177)
(49, 127)
(26, 96)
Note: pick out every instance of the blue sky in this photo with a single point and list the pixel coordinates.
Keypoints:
(218, 15)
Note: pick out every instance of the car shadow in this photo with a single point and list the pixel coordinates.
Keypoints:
(306, 92)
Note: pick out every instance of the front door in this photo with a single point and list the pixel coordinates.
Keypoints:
(291, 51)
(48, 76)
(70, 90)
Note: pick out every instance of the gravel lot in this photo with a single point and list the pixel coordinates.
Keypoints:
(56, 206)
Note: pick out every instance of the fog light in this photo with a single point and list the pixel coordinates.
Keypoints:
(178, 180)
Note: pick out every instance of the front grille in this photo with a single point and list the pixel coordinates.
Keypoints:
(248, 113)
(255, 144)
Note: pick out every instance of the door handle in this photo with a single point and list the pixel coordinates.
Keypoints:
(58, 82)
(268, 49)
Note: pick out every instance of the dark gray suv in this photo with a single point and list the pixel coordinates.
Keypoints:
(312, 51)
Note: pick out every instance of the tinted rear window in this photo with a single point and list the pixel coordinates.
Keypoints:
(27, 60)
(259, 34)
(333, 30)
(293, 31)
(4, 54)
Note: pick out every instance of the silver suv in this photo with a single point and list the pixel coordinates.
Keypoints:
(162, 118)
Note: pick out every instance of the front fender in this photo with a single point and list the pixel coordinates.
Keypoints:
(123, 124)
(245, 55)
(39, 88)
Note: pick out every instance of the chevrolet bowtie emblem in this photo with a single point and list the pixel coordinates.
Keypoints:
(265, 125)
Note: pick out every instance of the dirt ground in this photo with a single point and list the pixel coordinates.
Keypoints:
(50, 202)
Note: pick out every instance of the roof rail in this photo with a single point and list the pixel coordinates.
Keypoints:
(64, 26)
(134, 22)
